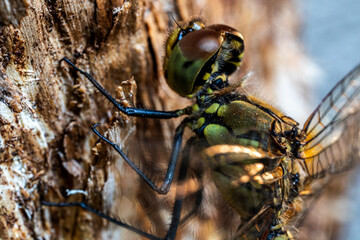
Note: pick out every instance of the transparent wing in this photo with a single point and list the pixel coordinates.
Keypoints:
(332, 143)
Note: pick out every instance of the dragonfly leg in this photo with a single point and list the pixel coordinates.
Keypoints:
(136, 112)
(165, 187)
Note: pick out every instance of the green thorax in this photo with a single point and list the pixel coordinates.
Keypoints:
(238, 119)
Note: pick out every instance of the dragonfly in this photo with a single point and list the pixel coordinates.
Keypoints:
(265, 166)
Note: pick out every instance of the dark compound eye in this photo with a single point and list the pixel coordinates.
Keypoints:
(201, 44)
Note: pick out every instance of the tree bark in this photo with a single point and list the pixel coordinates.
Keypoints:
(47, 109)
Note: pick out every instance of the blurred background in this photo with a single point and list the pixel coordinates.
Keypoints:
(331, 36)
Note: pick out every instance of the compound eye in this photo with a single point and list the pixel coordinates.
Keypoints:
(201, 44)
(189, 57)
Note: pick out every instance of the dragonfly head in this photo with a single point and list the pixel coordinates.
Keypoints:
(196, 55)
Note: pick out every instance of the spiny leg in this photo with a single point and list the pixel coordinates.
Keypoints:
(136, 112)
(172, 162)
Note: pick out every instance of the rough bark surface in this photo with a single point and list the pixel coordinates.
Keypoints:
(47, 109)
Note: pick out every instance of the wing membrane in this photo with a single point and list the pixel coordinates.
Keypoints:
(333, 129)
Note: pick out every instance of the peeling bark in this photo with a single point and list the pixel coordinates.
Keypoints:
(46, 109)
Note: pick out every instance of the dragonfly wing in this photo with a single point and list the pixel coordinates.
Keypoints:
(333, 129)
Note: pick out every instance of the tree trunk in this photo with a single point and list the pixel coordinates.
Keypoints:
(47, 109)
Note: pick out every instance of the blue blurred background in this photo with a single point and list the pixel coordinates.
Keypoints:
(331, 36)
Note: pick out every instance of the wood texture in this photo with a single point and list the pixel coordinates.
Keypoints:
(46, 109)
